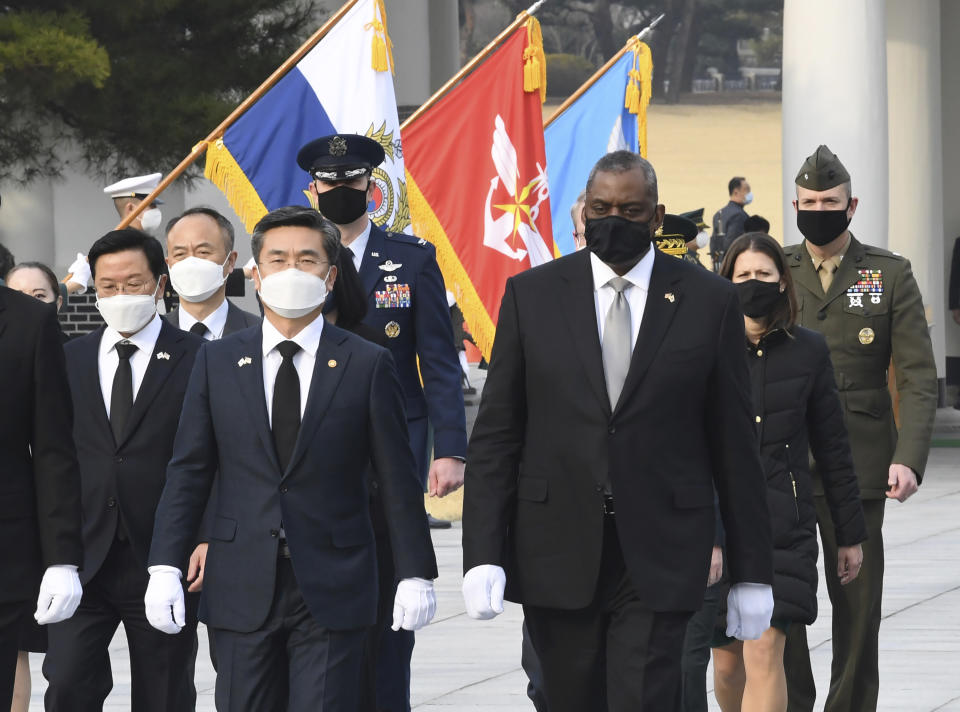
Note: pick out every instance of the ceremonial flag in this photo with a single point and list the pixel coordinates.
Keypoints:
(344, 84)
(476, 175)
(607, 114)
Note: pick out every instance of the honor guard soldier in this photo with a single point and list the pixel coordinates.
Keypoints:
(679, 236)
(407, 303)
(866, 303)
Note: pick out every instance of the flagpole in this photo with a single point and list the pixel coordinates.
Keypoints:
(218, 132)
(469, 66)
(600, 72)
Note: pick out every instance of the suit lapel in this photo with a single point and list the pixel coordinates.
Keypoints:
(370, 266)
(167, 352)
(234, 320)
(658, 313)
(579, 308)
(328, 369)
(250, 379)
(846, 275)
(88, 357)
(804, 274)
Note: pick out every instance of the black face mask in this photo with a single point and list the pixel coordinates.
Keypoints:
(822, 226)
(758, 298)
(616, 240)
(343, 204)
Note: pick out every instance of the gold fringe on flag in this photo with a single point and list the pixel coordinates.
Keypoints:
(382, 49)
(427, 225)
(534, 61)
(639, 89)
(224, 172)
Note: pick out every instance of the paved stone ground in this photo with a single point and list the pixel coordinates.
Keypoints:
(461, 664)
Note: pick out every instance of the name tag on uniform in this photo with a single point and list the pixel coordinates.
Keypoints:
(394, 296)
(869, 284)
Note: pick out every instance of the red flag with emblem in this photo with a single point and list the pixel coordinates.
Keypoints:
(476, 178)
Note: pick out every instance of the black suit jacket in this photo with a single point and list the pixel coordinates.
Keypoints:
(545, 441)
(237, 319)
(39, 479)
(123, 481)
(354, 416)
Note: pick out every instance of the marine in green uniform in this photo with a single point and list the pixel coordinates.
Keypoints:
(867, 304)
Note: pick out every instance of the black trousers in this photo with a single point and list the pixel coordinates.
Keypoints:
(11, 615)
(531, 665)
(77, 665)
(615, 654)
(290, 663)
(696, 650)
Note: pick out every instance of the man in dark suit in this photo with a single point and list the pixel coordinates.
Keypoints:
(572, 502)
(407, 303)
(40, 482)
(127, 381)
(729, 221)
(283, 421)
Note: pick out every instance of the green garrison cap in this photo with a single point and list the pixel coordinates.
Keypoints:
(822, 170)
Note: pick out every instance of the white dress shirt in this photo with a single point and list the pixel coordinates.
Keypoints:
(309, 339)
(359, 245)
(107, 361)
(635, 293)
(214, 322)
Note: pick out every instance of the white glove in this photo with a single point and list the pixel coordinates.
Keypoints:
(749, 608)
(80, 272)
(164, 600)
(414, 604)
(483, 591)
(60, 594)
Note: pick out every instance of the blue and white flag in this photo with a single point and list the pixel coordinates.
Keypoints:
(595, 124)
(344, 84)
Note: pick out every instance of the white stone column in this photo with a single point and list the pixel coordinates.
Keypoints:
(26, 221)
(409, 25)
(835, 92)
(916, 152)
(950, 110)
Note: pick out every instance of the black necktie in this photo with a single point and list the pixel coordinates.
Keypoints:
(121, 394)
(348, 252)
(200, 329)
(286, 404)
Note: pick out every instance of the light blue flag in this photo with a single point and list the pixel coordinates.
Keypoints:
(595, 124)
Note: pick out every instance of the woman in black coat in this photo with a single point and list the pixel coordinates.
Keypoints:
(797, 410)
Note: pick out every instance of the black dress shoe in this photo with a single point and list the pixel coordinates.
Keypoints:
(437, 523)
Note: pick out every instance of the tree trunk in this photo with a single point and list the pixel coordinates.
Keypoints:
(681, 46)
(468, 20)
(693, 47)
(660, 45)
(603, 28)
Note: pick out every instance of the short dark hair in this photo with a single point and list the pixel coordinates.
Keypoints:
(129, 238)
(226, 227)
(756, 223)
(784, 316)
(6, 261)
(734, 183)
(623, 161)
(297, 216)
(47, 272)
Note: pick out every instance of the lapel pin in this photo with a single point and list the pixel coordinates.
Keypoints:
(332, 363)
(374, 254)
(669, 297)
(244, 360)
(163, 355)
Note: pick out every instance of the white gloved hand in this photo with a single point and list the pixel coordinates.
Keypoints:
(414, 604)
(60, 594)
(163, 600)
(80, 272)
(749, 609)
(483, 591)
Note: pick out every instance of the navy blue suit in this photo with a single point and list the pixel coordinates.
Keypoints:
(409, 293)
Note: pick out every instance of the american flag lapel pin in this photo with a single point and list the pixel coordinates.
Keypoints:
(163, 355)
(669, 297)
(244, 360)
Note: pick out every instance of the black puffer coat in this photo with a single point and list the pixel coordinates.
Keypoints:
(797, 409)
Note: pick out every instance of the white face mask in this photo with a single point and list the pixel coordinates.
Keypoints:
(703, 239)
(150, 219)
(293, 293)
(748, 198)
(195, 279)
(128, 313)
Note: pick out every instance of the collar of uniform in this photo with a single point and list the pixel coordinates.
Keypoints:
(308, 338)
(359, 245)
(638, 276)
(215, 321)
(838, 257)
(144, 340)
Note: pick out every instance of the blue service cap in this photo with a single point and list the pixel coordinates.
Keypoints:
(340, 156)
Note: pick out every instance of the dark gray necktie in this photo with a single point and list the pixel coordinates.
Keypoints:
(286, 404)
(616, 341)
(121, 393)
(200, 329)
